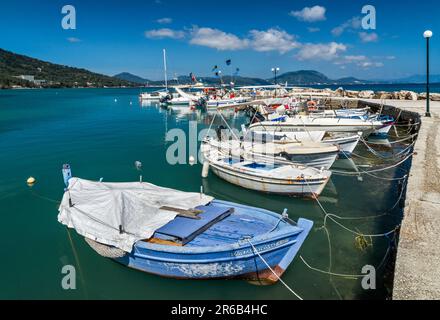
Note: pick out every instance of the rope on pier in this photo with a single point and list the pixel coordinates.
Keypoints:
(275, 274)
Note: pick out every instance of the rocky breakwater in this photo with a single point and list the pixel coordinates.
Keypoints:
(396, 95)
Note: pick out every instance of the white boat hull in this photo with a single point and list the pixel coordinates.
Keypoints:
(289, 187)
(346, 144)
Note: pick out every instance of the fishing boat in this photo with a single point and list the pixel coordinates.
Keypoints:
(268, 177)
(181, 235)
(307, 123)
(311, 154)
(346, 141)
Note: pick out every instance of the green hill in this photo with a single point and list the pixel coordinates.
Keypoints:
(54, 75)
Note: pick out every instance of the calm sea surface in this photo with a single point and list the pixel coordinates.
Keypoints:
(101, 133)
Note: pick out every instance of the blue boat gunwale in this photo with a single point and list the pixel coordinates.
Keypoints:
(288, 231)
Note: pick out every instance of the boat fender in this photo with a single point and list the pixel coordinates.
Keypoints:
(138, 165)
(192, 160)
(205, 170)
(285, 215)
(31, 181)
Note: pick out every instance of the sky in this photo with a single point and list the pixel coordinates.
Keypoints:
(128, 36)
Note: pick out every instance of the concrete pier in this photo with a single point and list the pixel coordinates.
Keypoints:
(417, 268)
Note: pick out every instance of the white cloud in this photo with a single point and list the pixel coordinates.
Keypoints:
(368, 64)
(272, 40)
(355, 58)
(351, 24)
(358, 60)
(316, 13)
(164, 33)
(311, 29)
(390, 57)
(73, 40)
(217, 39)
(164, 20)
(368, 37)
(321, 51)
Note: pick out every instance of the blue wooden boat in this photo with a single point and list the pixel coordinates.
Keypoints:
(226, 249)
(179, 234)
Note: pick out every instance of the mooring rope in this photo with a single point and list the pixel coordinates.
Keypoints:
(377, 154)
(369, 172)
(275, 274)
(330, 216)
(391, 142)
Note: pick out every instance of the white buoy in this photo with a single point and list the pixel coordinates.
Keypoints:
(138, 165)
(31, 181)
(192, 160)
(205, 170)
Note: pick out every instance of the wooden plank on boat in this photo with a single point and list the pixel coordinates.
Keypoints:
(191, 214)
(165, 242)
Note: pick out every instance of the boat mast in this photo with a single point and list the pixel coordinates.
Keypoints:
(165, 68)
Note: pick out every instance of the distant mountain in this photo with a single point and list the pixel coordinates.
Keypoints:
(38, 73)
(131, 78)
(312, 77)
(302, 77)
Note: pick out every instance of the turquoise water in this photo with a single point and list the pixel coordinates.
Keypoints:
(99, 136)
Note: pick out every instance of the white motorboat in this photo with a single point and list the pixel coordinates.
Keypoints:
(153, 96)
(346, 141)
(307, 123)
(311, 154)
(270, 178)
(216, 103)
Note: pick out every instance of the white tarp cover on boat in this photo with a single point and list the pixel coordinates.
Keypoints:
(100, 208)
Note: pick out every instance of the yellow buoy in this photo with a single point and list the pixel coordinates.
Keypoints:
(31, 180)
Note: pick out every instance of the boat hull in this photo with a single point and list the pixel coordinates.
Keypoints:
(318, 160)
(237, 261)
(347, 145)
(298, 188)
(366, 129)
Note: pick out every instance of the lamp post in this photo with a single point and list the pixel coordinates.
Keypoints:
(275, 71)
(427, 35)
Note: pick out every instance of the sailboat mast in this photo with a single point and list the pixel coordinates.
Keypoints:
(165, 68)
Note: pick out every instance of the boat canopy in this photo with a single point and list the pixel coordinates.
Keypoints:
(120, 214)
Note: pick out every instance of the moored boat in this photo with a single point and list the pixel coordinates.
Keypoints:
(268, 177)
(181, 235)
(307, 123)
(311, 154)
